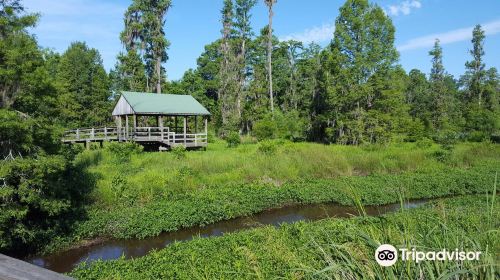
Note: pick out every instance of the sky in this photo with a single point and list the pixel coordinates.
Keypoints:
(192, 24)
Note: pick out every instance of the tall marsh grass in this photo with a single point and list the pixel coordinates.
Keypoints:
(152, 174)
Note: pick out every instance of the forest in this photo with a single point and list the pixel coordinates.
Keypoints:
(291, 123)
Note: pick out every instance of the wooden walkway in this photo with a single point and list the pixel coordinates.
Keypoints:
(14, 269)
(142, 135)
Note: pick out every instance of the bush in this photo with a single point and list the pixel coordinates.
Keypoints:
(179, 152)
(122, 152)
(40, 198)
(284, 126)
(265, 129)
(424, 143)
(233, 139)
(267, 147)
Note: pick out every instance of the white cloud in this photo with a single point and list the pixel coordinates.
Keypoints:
(453, 36)
(403, 8)
(316, 34)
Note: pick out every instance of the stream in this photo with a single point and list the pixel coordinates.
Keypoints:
(110, 249)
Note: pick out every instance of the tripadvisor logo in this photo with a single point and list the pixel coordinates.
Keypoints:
(387, 255)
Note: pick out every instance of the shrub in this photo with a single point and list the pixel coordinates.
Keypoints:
(447, 138)
(40, 198)
(179, 152)
(284, 126)
(267, 147)
(233, 139)
(265, 129)
(424, 143)
(122, 152)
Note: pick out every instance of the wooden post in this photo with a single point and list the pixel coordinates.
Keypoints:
(160, 125)
(119, 126)
(126, 127)
(206, 128)
(92, 134)
(135, 123)
(195, 124)
(77, 134)
(185, 127)
(105, 133)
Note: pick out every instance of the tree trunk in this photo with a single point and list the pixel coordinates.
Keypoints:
(158, 74)
(269, 55)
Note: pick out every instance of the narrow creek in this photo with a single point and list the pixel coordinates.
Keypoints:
(66, 261)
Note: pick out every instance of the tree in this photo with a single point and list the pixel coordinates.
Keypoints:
(227, 72)
(243, 33)
(475, 73)
(156, 43)
(83, 87)
(270, 4)
(17, 48)
(145, 44)
(479, 95)
(363, 46)
(446, 117)
(129, 73)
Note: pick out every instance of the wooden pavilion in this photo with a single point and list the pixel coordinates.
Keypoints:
(163, 120)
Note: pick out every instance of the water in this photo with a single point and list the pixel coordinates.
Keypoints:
(111, 249)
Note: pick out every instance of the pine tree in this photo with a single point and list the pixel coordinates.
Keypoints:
(270, 5)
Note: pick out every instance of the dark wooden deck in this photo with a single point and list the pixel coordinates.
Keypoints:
(14, 269)
(142, 135)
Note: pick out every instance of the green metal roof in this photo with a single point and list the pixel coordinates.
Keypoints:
(168, 104)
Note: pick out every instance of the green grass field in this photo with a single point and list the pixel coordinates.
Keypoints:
(149, 177)
(157, 192)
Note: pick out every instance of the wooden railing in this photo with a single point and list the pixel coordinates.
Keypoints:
(91, 134)
(138, 134)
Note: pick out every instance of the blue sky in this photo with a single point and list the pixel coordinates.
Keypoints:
(191, 24)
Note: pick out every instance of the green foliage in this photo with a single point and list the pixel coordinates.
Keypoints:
(207, 205)
(40, 199)
(83, 87)
(330, 249)
(288, 126)
(233, 139)
(424, 143)
(265, 129)
(179, 152)
(122, 152)
(267, 147)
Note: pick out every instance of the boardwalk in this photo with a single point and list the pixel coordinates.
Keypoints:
(14, 269)
(142, 135)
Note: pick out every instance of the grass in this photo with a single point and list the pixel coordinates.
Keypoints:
(149, 177)
(209, 205)
(330, 249)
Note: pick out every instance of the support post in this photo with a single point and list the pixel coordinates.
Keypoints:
(205, 120)
(195, 124)
(92, 134)
(105, 133)
(135, 123)
(77, 134)
(126, 127)
(160, 125)
(119, 127)
(185, 127)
